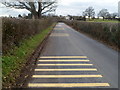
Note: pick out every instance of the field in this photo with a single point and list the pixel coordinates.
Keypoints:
(101, 20)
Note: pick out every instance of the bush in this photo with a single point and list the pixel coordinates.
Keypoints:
(16, 30)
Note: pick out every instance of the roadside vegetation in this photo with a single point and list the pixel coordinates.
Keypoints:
(108, 33)
(20, 39)
(16, 30)
(101, 20)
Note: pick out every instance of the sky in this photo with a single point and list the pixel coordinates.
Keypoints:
(70, 7)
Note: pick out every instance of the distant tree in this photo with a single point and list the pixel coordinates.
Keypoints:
(70, 17)
(103, 13)
(20, 16)
(37, 7)
(84, 14)
(89, 12)
(24, 15)
(109, 16)
(10, 16)
(29, 16)
(60, 15)
(114, 15)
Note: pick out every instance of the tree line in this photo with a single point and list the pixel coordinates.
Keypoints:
(104, 13)
(90, 13)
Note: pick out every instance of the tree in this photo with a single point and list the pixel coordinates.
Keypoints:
(37, 7)
(114, 15)
(103, 13)
(19, 16)
(84, 14)
(89, 12)
(24, 15)
(70, 17)
(109, 16)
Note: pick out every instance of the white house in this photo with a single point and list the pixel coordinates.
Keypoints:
(67, 17)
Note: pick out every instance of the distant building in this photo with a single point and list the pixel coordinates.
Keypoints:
(100, 17)
(119, 8)
(67, 17)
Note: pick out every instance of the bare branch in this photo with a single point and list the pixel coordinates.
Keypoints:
(26, 7)
(49, 10)
(51, 3)
(14, 5)
(36, 8)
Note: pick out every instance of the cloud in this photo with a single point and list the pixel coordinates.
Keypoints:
(75, 7)
(13, 12)
(4, 15)
(72, 7)
(21, 11)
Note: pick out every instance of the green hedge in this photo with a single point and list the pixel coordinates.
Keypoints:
(16, 30)
(13, 62)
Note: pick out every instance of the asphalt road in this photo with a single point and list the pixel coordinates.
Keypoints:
(71, 59)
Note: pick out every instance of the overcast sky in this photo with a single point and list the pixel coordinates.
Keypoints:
(71, 7)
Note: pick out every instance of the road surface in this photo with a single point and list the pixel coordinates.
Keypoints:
(71, 59)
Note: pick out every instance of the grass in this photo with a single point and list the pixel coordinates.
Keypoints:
(15, 60)
(101, 20)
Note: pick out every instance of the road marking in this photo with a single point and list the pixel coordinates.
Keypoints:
(63, 57)
(65, 76)
(59, 25)
(59, 34)
(64, 60)
(59, 28)
(65, 65)
(68, 85)
(79, 69)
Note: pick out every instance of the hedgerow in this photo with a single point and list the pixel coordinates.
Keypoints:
(21, 37)
(17, 30)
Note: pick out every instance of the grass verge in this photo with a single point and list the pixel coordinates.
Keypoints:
(101, 20)
(16, 59)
